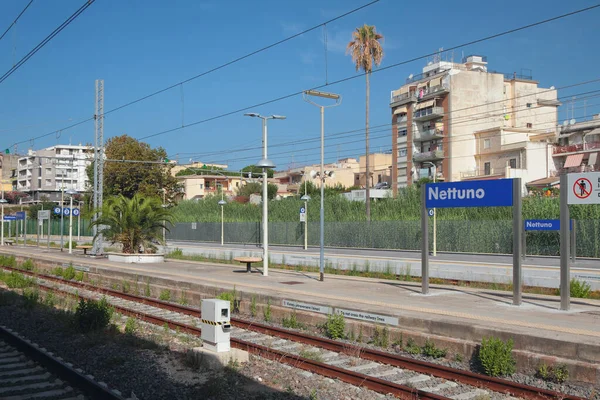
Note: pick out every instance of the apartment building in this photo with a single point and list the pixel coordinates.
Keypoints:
(196, 187)
(466, 122)
(347, 172)
(49, 171)
(578, 146)
(8, 172)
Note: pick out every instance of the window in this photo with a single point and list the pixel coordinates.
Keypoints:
(529, 125)
(201, 186)
(486, 143)
(402, 132)
(379, 178)
(487, 168)
(48, 171)
(513, 163)
(48, 182)
(528, 105)
(402, 152)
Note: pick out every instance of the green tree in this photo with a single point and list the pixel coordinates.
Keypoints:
(366, 51)
(256, 188)
(128, 178)
(44, 204)
(257, 171)
(135, 223)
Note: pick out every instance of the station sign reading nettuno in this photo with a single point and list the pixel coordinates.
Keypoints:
(493, 193)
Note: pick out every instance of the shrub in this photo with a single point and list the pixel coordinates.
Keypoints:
(230, 297)
(8, 261)
(267, 311)
(93, 315)
(496, 357)
(558, 374)
(430, 350)
(31, 296)
(147, 292)
(130, 326)
(69, 273)
(314, 355)
(177, 253)
(79, 276)
(15, 280)
(28, 265)
(253, 306)
(291, 322)
(580, 289)
(411, 347)
(49, 300)
(334, 326)
(58, 271)
(125, 287)
(165, 295)
(381, 337)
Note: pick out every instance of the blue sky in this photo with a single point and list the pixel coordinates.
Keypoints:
(139, 47)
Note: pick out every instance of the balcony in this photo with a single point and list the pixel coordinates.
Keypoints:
(403, 98)
(574, 148)
(433, 91)
(401, 120)
(478, 173)
(428, 113)
(429, 155)
(428, 134)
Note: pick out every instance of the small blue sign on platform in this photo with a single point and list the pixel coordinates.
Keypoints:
(10, 217)
(66, 211)
(57, 210)
(76, 212)
(20, 215)
(544, 225)
(494, 193)
(431, 212)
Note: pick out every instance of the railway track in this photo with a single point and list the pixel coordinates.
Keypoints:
(30, 372)
(377, 370)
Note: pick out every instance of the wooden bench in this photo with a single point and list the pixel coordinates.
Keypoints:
(9, 242)
(85, 248)
(248, 261)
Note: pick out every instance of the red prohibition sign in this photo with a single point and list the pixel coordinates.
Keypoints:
(582, 188)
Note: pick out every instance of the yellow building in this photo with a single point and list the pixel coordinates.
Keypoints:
(196, 187)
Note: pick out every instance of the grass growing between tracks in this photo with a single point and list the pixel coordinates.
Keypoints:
(579, 289)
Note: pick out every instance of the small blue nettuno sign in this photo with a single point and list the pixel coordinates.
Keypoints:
(544, 225)
(494, 193)
(10, 217)
(20, 215)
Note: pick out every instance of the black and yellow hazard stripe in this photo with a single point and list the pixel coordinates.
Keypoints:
(205, 321)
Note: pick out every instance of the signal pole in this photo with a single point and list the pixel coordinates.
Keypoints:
(98, 161)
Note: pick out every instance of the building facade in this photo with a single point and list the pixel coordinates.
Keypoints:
(459, 121)
(578, 146)
(196, 187)
(48, 172)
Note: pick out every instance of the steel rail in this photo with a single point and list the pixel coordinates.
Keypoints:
(437, 370)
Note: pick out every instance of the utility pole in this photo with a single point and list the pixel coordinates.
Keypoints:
(98, 161)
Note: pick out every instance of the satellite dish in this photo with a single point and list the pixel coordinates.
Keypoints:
(565, 122)
(552, 88)
(571, 122)
(410, 76)
(313, 174)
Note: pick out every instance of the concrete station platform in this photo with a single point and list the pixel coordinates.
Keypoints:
(463, 315)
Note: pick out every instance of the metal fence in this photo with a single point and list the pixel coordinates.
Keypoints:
(452, 236)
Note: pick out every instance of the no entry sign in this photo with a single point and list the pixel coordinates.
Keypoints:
(584, 188)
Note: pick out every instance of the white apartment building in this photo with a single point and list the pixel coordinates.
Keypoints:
(466, 122)
(48, 171)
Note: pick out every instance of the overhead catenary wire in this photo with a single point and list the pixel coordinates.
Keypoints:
(46, 40)
(489, 37)
(16, 19)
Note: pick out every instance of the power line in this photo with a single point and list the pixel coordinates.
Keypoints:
(46, 40)
(494, 36)
(210, 71)
(16, 19)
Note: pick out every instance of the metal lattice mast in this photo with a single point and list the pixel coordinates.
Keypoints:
(98, 159)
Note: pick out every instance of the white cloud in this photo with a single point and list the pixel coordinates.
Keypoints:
(290, 28)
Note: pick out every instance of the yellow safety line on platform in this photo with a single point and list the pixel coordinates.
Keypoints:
(375, 303)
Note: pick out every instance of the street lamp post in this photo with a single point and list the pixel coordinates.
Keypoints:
(306, 198)
(62, 213)
(338, 100)
(434, 211)
(265, 164)
(2, 202)
(71, 193)
(79, 221)
(222, 202)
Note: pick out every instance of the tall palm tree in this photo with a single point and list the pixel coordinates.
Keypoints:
(135, 223)
(366, 51)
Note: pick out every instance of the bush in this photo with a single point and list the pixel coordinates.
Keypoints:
(28, 265)
(8, 261)
(177, 253)
(558, 374)
(291, 322)
(58, 271)
(335, 326)
(165, 295)
(31, 296)
(230, 297)
(267, 311)
(580, 289)
(412, 347)
(79, 276)
(381, 337)
(92, 315)
(15, 280)
(253, 306)
(430, 350)
(69, 273)
(130, 326)
(496, 357)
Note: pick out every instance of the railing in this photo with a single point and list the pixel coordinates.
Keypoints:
(429, 111)
(580, 168)
(428, 155)
(432, 90)
(513, 75)
(572, 148)
(474, 173)
(464, 59)
(430, 133)
(404, 96)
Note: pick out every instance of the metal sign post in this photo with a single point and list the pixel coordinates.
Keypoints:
(565, 288)
(497, 193)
